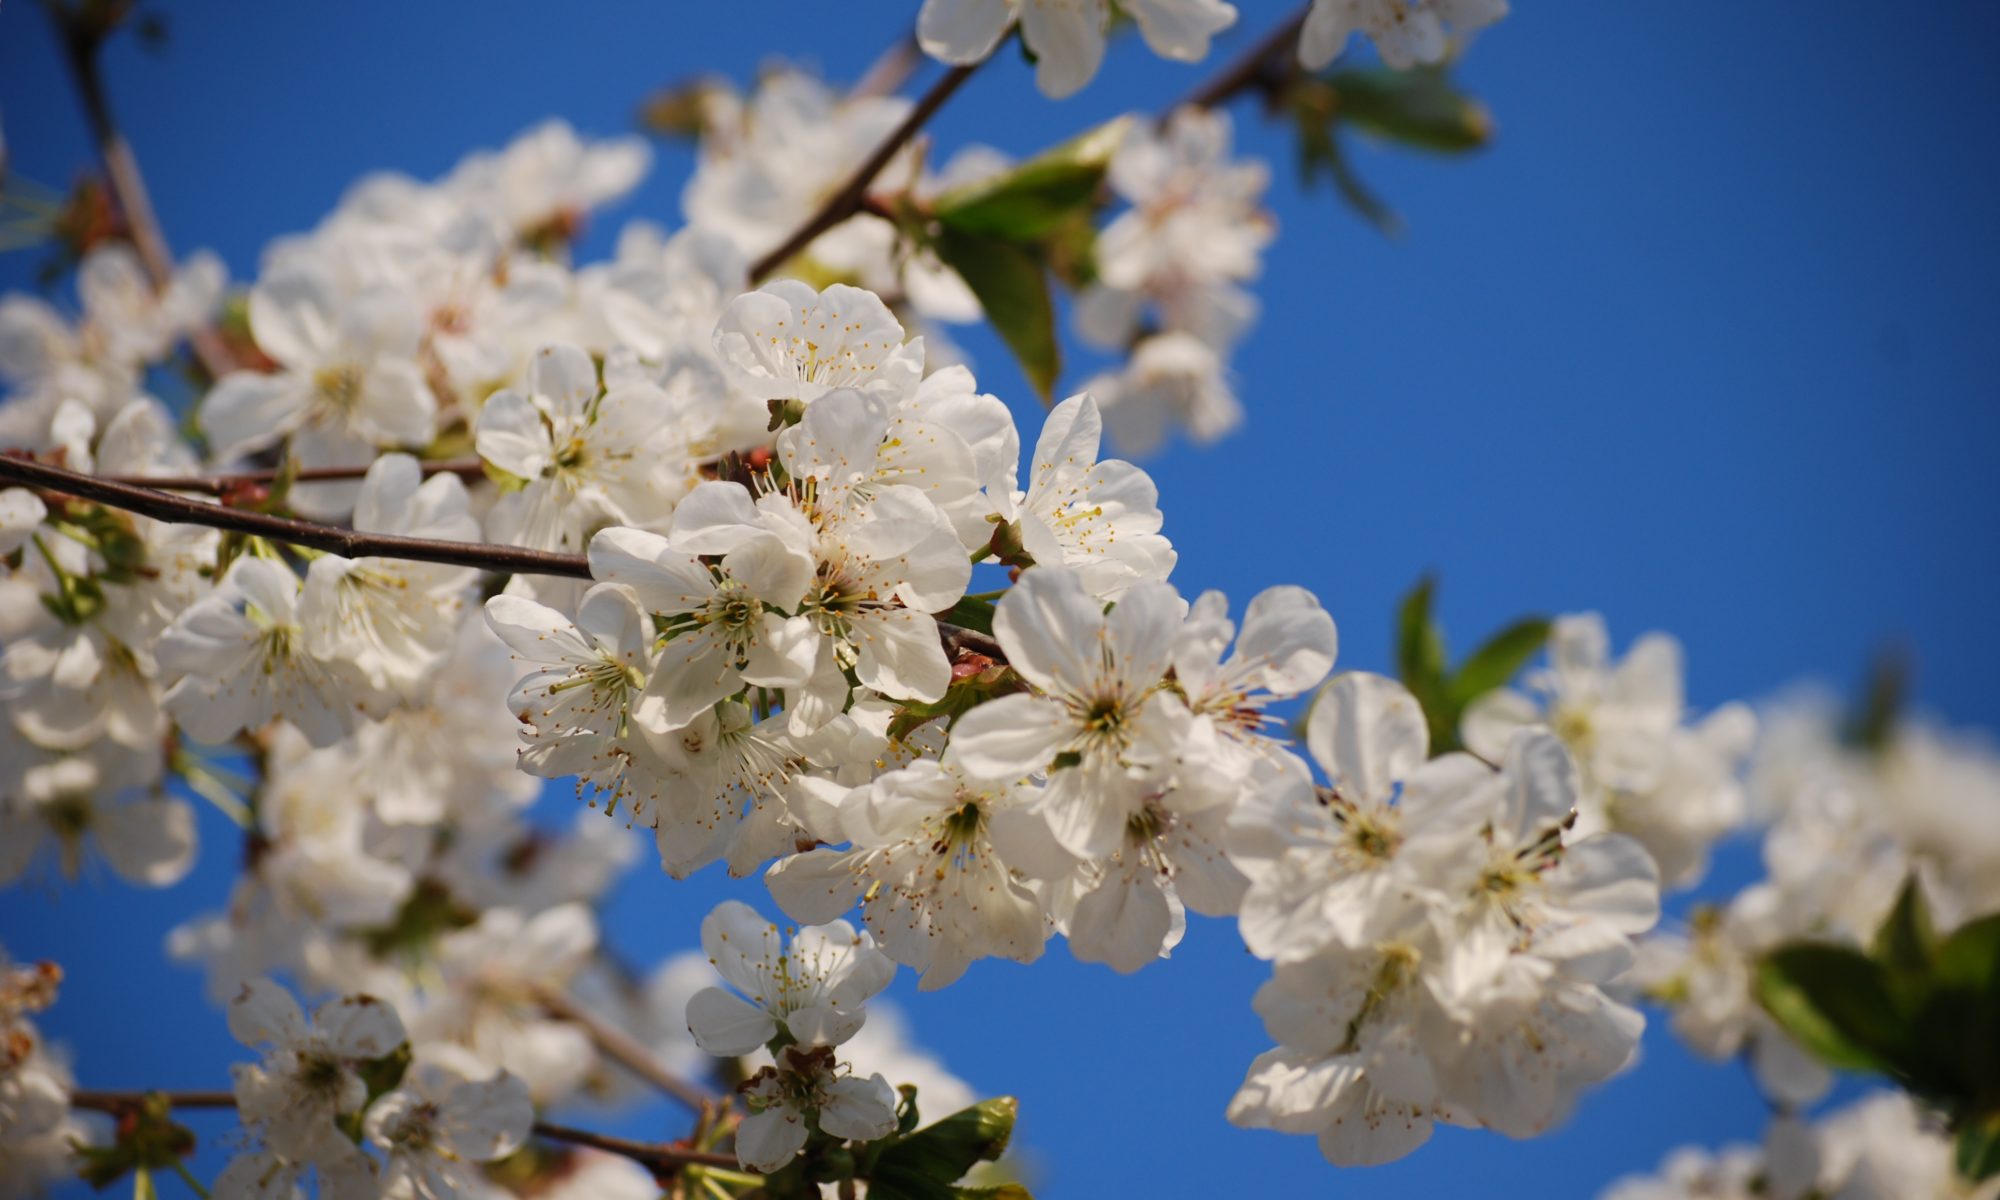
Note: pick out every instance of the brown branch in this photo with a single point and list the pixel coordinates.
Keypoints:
(1253, 69)
(82, 37)
(351, 543)
(118, 1102)
(468, 469)
(621, 1048)
(849, 199)
(660, 1158)
(348, 543)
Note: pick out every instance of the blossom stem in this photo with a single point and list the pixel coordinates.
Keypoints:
(621, 1048)
(654, 1156)
(187, 1177)
(854, 193)
(82, 36)
(1257, 68)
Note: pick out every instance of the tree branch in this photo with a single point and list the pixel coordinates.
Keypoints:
(348, 543)
(469, 469)
(82, 38)
(621, 1048)
(849, 199)
(1251, 69)
(117, 1102)
(660, 1158)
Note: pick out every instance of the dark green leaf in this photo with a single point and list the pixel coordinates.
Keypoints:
(1970, 957)
(970, 614)
(1013, 287)
(1977, 1151)
(1906, 942)
(1872, 724)
(1420, 657)
(943, 1152)
(1836, 1003)
(1320, 153)
(1029, 201)
(1418, 108)
(1501, 658)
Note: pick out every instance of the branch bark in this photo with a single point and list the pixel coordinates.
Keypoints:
(82, 40)
(661, 1158)
(621, 1048)
(1252, 69)
(854, 193)
(469, 469)
(348, 543)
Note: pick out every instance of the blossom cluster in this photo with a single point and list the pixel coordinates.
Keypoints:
(37, 1126)
(1844, 826)
(1882, 1147)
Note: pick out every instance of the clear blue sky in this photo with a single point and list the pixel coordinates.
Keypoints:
(1707, 341)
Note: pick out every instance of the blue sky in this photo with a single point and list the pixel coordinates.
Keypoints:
(1705, 341)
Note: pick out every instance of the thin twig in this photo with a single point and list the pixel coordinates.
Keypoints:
(469, 469)
(621, 1048)
(349, 543)
(82, 38)
(848, 200)
(117, 1102)
(657, 1157)
(888, 73)
(1248, 70)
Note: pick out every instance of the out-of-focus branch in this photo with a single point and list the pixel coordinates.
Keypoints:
(1263, 67)
(888, 73)
(83, 38)
(660, 1158)
(854, 193)
(621, 1048)
(221, 484)
(118, 1102)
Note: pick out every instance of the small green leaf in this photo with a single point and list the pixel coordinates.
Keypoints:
(1031, 200)
(1970, 957)
(1418, 108)
(944, 1151)
(1013, 287)
(1836, 1003)
(1490, 667)
(1906, 942)
(1977, 1151)
(1420, 658)
(970, 614)
(1872, 723)
(906, 1108)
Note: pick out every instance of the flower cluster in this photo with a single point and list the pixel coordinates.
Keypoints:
(1442, 935)
(37, 1128)
(322, 1078)
(1879, 1148)
(1845, 826)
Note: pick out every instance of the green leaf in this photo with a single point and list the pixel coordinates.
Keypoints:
(1872, 723)
(1420, 658)
(970, 614)
(1977, 1151)
(1013, 287)
(1836, 1003)
(1030, 201)
(1320, 153)
(1417, 108)
(1490, 667)
(1970, 957)
(1906, 942)
(943, 1152)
